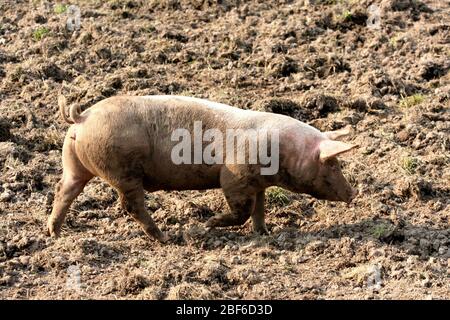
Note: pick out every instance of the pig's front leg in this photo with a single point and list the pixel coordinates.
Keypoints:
(132, 200)
(259, 225)
(240, 198)
(241, 205)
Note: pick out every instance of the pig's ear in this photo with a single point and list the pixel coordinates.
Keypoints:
(330, 148)
(333, 135)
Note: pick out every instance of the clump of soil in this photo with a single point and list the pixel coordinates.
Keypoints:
(189, 291)
(309, 107)
(132, 284)
(283, 66)
(5, 130)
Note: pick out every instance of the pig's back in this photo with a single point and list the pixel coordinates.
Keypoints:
(172, 111)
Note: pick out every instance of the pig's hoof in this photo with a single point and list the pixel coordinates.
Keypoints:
(52, 231)
(261, 231)
(163, 237)
(211, 223)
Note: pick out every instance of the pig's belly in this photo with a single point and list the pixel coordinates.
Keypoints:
(183, 177)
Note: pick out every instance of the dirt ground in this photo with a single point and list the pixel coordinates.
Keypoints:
(316, 61)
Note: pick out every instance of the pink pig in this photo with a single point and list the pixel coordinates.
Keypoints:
(129, 142)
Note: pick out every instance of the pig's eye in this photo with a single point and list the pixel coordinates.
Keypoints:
(334, 164)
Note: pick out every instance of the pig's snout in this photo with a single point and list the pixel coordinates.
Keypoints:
(353, 194)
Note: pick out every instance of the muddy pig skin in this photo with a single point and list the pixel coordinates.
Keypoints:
(127, 141)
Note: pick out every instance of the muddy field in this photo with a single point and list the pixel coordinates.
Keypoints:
(316, 61)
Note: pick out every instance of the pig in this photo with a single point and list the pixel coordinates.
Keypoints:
(128, 142)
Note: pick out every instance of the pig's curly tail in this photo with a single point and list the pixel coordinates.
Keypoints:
(74, 111)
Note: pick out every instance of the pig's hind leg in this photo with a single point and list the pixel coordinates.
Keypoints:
(74, 178)
(132, 199)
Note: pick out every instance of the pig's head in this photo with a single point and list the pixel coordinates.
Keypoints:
(318, 172)
(329, 183)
